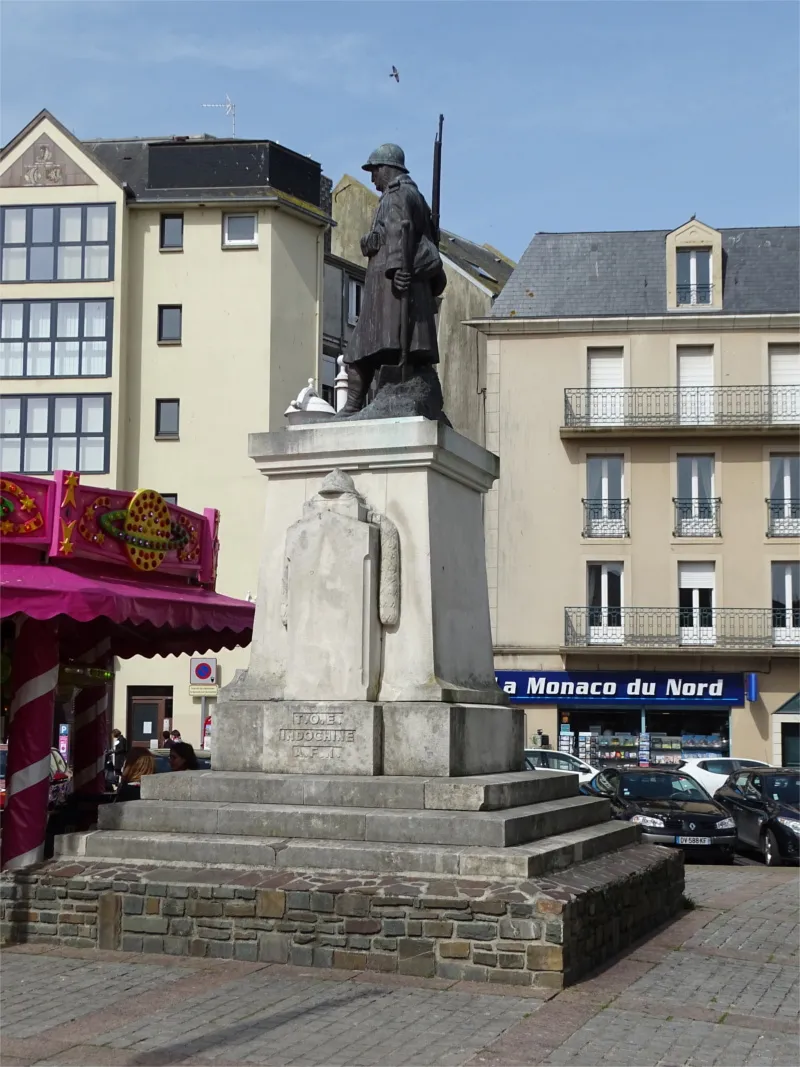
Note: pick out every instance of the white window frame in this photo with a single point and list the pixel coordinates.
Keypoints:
(696, 634)
(603, 524)
(696, 402)
(786, 524)
(695, 524)
(353, 288)
(784, 396)
(789, 633)
(227, 242)
(606, 405)
(606, 634)
(692, 301)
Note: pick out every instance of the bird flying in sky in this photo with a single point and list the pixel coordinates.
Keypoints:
(395, 74)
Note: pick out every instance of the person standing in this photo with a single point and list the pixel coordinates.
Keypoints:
(120, 748)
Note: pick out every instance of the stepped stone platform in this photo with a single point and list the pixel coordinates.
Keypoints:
(499, 825)
(514, 878)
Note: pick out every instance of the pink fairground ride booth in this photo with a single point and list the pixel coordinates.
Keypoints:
(87, 575)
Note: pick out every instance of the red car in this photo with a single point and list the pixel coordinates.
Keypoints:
(60, 778)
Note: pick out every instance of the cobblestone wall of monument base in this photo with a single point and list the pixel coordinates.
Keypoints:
(545, 932)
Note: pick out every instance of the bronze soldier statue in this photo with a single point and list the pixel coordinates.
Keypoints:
(404, 278)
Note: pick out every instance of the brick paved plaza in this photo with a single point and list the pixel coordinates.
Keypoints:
(719, 986)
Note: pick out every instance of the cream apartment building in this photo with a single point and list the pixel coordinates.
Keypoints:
(642, 542)
(161, 299)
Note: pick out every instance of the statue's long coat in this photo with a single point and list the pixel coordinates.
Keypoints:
(377, 331)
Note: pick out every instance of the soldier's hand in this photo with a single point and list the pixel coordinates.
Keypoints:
(402, 280)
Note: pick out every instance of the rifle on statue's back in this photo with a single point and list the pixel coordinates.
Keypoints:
(436, 189)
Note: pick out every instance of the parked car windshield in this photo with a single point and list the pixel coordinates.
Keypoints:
(782, 787)
(660, 787)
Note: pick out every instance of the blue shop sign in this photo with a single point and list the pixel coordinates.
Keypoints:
(607, 688)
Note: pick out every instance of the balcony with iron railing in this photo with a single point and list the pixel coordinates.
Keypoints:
(783, 517)
(606, 518)
(694, 295)
(682, 629)
(697, 517)
(705, 409)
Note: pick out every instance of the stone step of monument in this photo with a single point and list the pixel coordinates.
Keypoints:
(516, 862)
(487, 792)
(499, 829)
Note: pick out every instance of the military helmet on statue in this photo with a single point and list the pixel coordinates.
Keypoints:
(387, 155)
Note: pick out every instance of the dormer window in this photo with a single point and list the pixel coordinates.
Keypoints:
(694, 268)
(694, 285)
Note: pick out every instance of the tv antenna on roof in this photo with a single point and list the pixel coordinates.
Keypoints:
(230, 109)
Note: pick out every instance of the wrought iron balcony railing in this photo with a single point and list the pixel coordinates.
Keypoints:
(697, 518)
(783, 517)
(681, 628)
(694, 294)
(606, 518)
(655, 407)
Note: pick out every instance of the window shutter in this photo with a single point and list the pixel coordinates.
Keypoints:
(784, 365)
(696, 575)
(605, 369)
(695, 367)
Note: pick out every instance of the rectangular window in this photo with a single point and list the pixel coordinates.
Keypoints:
(355, 292)
(171, 233)
(784, 495)
(55, 338)
(694, 276)
(696, 507)
(40, 434)
(170, 498)
(786, 603)
(604, 590)
(239, 231)
(63, 243)
(696, 602)
(168, 418)
(695, 384)
(605, 509)
(784, 382)
(170, 324)
(605, 378)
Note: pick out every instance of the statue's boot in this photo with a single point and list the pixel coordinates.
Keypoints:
(359, 379)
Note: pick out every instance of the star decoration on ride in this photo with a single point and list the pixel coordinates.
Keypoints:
(66, 547)
(71, 482)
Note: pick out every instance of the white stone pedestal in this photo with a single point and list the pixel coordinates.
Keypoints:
(373, 590)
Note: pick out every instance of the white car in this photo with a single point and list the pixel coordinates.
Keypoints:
(547, 759)
(713, 773)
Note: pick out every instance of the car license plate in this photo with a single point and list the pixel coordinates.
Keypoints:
(692, 840)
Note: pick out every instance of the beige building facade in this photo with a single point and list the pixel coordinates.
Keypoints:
(155, 311)
(644, 536)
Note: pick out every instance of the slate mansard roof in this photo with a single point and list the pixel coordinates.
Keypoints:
(575, 275)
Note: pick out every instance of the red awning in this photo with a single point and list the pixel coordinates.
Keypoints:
(142, 618)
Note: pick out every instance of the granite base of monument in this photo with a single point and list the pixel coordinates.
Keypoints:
(357, 737)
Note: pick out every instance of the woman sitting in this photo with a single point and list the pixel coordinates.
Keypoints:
(182, 757)
(138, 763)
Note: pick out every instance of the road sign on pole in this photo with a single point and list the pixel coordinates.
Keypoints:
(203, 670)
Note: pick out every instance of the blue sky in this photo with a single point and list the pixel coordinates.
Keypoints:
(558, 116)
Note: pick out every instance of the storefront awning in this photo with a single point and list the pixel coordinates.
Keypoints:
(140, 618)
(791, 707)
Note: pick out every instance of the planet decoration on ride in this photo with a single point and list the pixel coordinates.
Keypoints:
(146, 530)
